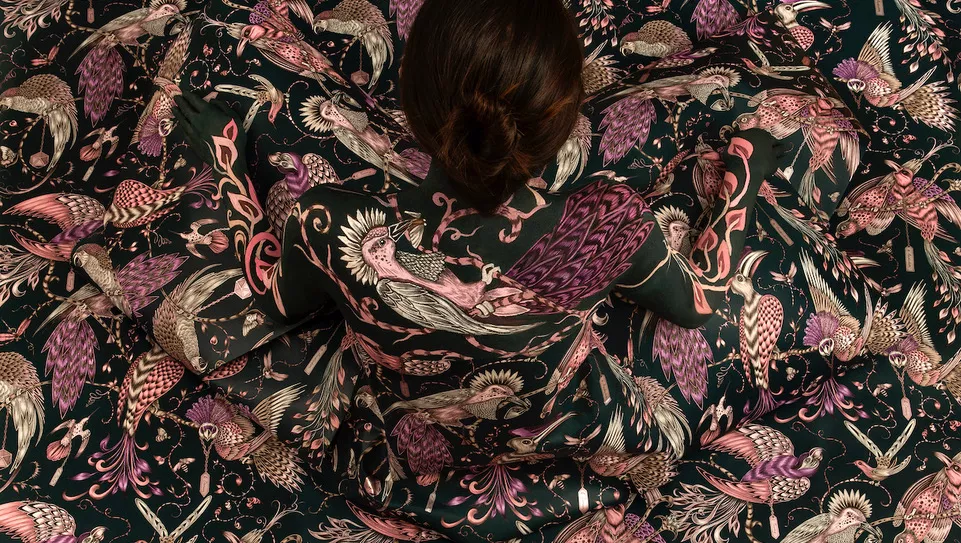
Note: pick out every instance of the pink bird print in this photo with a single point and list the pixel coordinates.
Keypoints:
(275, 14)
(708, 173)
(759, 328)
(366, 24)
(285, 50)
(77, 215)
(101, 70)
(872, 75)
(787, 12)
(51, 99)
(72, 345)
(156, 121)
(40, 522)
(375, 528)
(300, 174)
(931, 502)
(405, 11)
(712, 16)
(152, 375)
(777, 475)
(832, 328)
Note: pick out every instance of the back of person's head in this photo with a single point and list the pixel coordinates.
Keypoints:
(491, 89)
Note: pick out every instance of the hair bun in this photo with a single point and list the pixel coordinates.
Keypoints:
(480, 143)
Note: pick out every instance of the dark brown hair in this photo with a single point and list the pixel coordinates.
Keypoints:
(491, 89)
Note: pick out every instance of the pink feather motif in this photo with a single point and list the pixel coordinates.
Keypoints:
(628, 124)
(685, 354)
(101, 80)
(71, 357)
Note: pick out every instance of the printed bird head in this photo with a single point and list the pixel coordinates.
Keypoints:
(326, 20)
(788, 11)
(529, 440)
(249, 33)
(855, 74)
(285, 162)
(89, 255)
(812, 459)
(500, 388)
(94, 536)
(741, 282)
(952, 467)
(274, 95)
(850, 508)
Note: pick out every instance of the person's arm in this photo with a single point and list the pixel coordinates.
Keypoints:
(280, 273)
(687, 289)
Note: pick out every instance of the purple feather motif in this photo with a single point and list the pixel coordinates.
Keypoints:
(141, 276)
(405, 11)
(685, 354)
(781, 466)
(151, 142)
(101, 80)
(626, 123)
(71, 357)
(850, 68)
(819, 327)
(602, 226)
(713, 16)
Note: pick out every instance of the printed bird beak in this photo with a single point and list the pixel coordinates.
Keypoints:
(518, 407)
(241, 43)
(892, 164)
(943, 458)
(871, 530)
(551, 427)
(808, 5)
(397, 230)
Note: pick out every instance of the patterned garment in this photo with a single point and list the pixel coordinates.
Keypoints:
(151, 391)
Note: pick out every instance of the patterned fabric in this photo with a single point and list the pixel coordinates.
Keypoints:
(109, 435)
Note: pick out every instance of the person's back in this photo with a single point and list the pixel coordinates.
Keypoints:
(471, 299)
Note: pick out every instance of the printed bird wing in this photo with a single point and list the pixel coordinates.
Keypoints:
(880, 223)
(142, 276)
(301, 9)
(269, 411)
(71, 357)
(191, 519)
(850, 150)
(66, 210)
(574, 153)
(614, 437)
(912, 314)
(176, 54)
(626, 124)
(594, 520)
(947, 207)
(193, 292)
(602, 227)
(35, 522)
(754, 443)
(120, 22)
(279, 464)
(862, 189)
(397, 529)
(902, 439)
(144, 115)
(809, 530)
(915, 86)
(435, 401)
(864, 439)
(81, 294)
(430, 310)
(685, 354)
(911, 494)
(876, 52)
(754, 492)
(822, 296)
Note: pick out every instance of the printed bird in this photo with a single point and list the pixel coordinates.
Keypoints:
(233, 430)
(215, 239)
(609, 524)
(185, 524)
(646, 471)
(826, 128)
(174, 321)
(656, 38)
(657, 410)
(599, 71)
(156, 121)
(78, 216)
(71, 346)
(284, 50)
(872, 75)
(712, 16)
(585, 342)
(527, 442)
(766, 69)
(365, 23)
(300, 174)
(404, 12)
(22, 399)
(275, 14)
(136, 204)
(374, 529)
(60, 449)
(716, 413)
(257, 534)
(787, 12)
(887, 464)
(915, 353)
(151, 375)
(847, 515)
(759, 328)
(264, 92)
(417, 286)
(93, 152)
(929, 508)
(31, 521)
(777, 475)
(832, 328)
(426, 448)
(683, 352)
(708, 172)
(354, 131)
(101, 70)
(51, 100)
(574, 154)
(627, 122)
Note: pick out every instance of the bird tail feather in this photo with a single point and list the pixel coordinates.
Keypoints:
(101, 80)
(703, 514)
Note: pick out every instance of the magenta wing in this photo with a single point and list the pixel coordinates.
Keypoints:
(626, 123)
(71, 357)
(601, 229)
(142, 276)
(685, 354)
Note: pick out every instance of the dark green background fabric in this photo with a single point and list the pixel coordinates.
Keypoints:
(171, 454)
